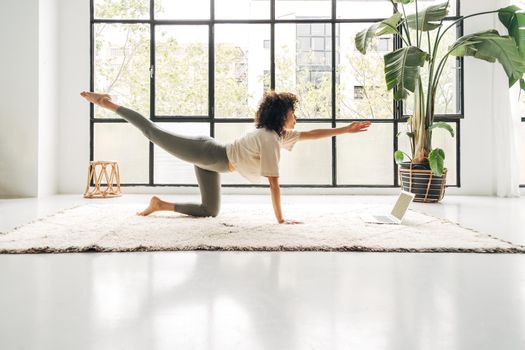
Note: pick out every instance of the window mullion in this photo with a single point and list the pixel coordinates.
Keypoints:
(211, 69)
(272, 44)
(398, 114)
(152, 88)
(92, 80)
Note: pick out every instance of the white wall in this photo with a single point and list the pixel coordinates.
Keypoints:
(48, 87)
(28, 98)
(74, 110)
(476, 129)
(19, 98)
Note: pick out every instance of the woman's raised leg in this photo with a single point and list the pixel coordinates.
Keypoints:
(172, 143)
(201, 151)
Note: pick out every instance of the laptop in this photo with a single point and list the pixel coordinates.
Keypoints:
(396, 215)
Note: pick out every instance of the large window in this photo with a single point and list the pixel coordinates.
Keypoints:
(200, 67)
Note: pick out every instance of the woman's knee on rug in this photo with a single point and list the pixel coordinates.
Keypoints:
(210, 188)
(199, 210)
(211, 209)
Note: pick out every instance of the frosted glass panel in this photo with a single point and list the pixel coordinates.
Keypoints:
(309, 162)
(440, 139)
(168, 168)
(366, 158)
(126, 145)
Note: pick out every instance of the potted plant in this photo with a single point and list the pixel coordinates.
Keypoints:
(424, 173)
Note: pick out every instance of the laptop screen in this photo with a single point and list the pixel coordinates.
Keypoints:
(403, 201)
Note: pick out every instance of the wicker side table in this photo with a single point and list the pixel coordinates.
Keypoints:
(106, 179)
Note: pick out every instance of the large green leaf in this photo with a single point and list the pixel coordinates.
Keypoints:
(387, 26)
(428, 18)
(402, 70)
(399, 156)
(436, 159)
(490, 46)
(407, 133)
(442, 125)
(513, 18)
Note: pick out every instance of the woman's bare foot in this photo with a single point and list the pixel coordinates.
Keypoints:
(156, 204)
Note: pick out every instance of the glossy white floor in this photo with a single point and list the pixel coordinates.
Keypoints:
(295, 300)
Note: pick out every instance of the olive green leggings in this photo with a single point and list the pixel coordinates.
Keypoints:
(208, 156)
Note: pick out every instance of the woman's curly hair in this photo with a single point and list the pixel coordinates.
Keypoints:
(271, 113)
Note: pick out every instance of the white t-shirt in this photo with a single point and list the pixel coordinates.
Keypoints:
(257, 153)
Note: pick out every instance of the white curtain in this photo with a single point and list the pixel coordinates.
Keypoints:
(506, 121)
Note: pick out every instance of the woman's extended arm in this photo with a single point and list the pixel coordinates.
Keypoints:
(276, 201)
(322, 133)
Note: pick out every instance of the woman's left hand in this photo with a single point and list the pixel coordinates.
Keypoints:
(357, 127)
(291, 222)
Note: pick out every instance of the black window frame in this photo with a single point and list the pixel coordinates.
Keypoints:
(523, 121)
(398, 116)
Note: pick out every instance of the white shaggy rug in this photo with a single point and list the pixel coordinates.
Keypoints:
(116, 228)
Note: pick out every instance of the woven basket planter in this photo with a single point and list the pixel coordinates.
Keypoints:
(427, 187)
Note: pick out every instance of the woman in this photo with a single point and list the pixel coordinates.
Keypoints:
(254, 155)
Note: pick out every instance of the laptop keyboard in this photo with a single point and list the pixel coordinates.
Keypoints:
(382, 218)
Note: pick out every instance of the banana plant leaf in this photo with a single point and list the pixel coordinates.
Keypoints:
(407, 133)
(429, 18)
(490, 46)
(402, 70)
(399, 156)
(442, 125)
(436, 159)
(513, 18)
(387, 26)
